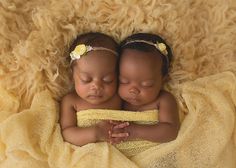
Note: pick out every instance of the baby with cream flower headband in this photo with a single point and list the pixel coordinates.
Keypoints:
(94, 63)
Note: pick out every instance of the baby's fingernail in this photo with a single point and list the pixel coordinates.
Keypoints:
(127, 134)
(127, 123)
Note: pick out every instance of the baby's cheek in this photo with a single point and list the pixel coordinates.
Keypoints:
(148, 94)
(122, 91)
(82, 89)
(111, 90)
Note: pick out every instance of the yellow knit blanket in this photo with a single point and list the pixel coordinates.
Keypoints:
(207, 138)
(130, 148)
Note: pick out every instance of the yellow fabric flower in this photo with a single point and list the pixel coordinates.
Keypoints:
(162, 47)
(80, 49)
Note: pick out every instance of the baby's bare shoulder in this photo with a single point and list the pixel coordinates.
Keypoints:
(70, 99)
(166, 97)
(168, 109)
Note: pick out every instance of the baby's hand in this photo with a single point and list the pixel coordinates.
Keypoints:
(102, 131)
(118, 132)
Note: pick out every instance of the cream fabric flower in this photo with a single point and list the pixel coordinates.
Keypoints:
(79, 50)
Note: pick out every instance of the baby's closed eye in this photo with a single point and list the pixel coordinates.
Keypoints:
(147, 83)
(108, 79)
(123, 81)
(85, 79)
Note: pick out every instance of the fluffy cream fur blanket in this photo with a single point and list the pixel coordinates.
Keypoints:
(34, 75)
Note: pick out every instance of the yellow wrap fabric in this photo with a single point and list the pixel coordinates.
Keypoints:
(207, 137)
(130, 148)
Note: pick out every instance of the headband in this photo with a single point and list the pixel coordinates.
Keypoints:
(161, 47)
(82, 49)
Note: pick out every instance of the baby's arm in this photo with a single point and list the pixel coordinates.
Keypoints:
(167, 127)
(76, 135)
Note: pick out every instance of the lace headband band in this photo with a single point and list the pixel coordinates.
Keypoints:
(82, 49)
(159, 46)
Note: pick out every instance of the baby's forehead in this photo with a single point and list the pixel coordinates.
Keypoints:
(95, 65)
(141, 58)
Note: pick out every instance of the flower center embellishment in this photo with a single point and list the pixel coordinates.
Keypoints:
(79, 51)
(162, 48)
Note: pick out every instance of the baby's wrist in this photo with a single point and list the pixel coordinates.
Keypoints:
(131, 131)
(96, 134)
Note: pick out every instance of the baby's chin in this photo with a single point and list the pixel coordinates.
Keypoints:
(137, 102)
(134, 102)
(97, 100)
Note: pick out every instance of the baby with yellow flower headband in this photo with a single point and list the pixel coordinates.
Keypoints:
(144, 64)
(94, 62)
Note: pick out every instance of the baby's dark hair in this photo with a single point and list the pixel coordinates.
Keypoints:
(148, 48)
(95, 39)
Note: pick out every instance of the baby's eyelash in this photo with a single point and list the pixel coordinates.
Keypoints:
(108, 81)
(86, 80)
(122, 82)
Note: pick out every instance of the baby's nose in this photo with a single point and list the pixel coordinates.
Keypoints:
(134, 91)
(96, 85)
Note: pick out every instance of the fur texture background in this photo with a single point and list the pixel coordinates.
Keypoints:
(35, 36)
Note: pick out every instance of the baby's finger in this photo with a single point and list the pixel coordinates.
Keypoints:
(122, 125)
(119, 135)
